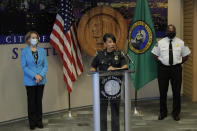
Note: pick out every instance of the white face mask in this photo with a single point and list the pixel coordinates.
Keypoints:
(34, 42)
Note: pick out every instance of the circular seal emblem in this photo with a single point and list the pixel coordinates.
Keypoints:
(95, 23)
(140, 37)
(111, 87)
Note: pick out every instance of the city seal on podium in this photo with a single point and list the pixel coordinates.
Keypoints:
(140, 37)
(111, 87)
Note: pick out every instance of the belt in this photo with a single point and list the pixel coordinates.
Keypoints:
(177, 65)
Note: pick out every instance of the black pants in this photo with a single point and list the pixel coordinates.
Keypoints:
(115, 107)
(174, 75)
(34, 98)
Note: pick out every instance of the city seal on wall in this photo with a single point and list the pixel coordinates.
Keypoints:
(97, 22)
(140, 37)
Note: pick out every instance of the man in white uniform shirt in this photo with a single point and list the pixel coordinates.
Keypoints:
(170, 52)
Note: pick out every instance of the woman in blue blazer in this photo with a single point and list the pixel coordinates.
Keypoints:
(34, 65)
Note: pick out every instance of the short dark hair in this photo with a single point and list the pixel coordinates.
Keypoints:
(109, 35)
(173, 26)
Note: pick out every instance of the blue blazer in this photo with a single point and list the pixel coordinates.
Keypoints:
(30, 68)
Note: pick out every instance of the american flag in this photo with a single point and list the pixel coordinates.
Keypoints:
(64, 39)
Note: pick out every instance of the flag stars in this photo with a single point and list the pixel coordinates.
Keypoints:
(66, 13)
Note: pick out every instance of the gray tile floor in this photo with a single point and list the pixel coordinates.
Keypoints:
(82, 119)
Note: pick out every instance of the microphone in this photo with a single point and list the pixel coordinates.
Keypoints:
(130, 59)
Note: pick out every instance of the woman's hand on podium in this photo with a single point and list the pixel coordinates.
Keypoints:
(92, 69)
(111, 68)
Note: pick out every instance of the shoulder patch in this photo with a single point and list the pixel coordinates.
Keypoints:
(122, 53)
(96, 53)
(156, 45)
(99, 52)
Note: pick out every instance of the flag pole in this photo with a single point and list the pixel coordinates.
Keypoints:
(69, 106)
(136, 112)
(135, 103)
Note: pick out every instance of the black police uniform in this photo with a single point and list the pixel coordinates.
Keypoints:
(101, 62)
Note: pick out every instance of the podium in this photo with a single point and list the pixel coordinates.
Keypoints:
(125, 78)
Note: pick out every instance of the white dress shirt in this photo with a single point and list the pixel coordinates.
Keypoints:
(161, 50)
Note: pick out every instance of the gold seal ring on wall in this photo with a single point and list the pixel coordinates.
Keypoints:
(95, 23)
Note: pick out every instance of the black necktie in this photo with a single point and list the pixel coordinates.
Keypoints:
(170, 53)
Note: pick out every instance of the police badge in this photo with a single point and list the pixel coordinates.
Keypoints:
(115, 57)
(116, 53)
(140, 37)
